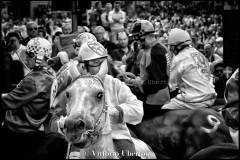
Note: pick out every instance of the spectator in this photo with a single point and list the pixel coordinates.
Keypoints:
(67, 28)
(213, 58)
(27, 110)
(104, 17)
(190, 73)
(116, 18)
(99, 33)
(125, 54)
(32, 31)
(56, 47)
(16, 50)
(219, 47)
(95, 15)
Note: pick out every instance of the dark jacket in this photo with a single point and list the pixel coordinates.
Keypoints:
(27, 105)
(157, 70)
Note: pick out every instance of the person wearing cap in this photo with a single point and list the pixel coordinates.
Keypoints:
(116, 18)
(123, 108)
(189, 73)
(154, 69)
(27, 110)
(219, 47)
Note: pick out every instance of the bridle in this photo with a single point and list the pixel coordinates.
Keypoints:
(96, 131)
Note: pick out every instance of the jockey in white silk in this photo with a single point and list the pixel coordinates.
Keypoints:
(124, 107)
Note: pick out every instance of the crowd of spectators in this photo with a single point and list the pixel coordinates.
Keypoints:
(106, 20)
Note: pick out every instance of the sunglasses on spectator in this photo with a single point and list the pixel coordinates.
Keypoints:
(33, 29)
(30, 54)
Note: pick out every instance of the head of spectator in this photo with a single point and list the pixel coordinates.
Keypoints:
(32, 29)
(67, 28)
(80, 29)
(42, 32)
(208, 50)
(38, 51)
(108, 7)
(13, 41)
(219, 42)
(117, 6)
(122, 38)
(178, 39)
(99, 33)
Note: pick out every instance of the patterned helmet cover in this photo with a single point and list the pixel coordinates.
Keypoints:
(84, 37)
(92, 50)
(40, 47)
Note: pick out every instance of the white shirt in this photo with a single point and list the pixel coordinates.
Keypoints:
(190, 72)
(119, 94)
(121, 16)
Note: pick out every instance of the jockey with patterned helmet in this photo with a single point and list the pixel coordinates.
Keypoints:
(27, 108)
(38, 50)
(94, 55)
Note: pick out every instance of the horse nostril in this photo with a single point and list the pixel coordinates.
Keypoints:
(79, 124)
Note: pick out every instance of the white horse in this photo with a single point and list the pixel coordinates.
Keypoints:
(87, 123)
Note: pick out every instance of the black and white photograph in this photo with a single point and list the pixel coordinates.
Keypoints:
(119, 80)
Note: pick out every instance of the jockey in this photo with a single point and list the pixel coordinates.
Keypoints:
(190, 73)
(27, 107)
(123, 108)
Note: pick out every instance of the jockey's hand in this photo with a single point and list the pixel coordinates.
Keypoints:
(63, 57)
(60, 124)
(116, 115)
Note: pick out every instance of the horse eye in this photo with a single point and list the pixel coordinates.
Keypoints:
(100, 95)
(67, 94)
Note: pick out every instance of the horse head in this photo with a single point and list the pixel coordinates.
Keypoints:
(86, 111)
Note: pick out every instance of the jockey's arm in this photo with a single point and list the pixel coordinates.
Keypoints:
(24, 92)
(131, 107)
(175, 71)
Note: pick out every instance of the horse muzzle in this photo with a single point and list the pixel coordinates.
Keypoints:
(76, 132)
